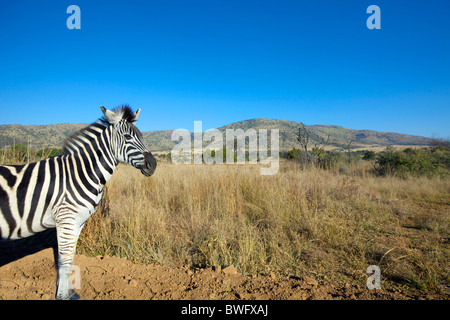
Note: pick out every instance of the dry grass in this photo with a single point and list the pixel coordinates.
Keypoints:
(313, 222)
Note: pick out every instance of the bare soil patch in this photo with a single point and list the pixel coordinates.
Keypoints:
(103, 277)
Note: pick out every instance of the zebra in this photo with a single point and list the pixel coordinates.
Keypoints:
(64, 191)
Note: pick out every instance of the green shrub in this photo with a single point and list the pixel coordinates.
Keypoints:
(369, 155)
(332, 159)
(293, 154)
(415, 162)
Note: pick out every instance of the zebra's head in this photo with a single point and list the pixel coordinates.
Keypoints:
(126, 139)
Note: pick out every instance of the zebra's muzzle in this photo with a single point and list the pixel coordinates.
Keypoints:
(150, 164)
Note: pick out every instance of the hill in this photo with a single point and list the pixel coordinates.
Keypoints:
(37, 136)
(40, 136)
(339, 136)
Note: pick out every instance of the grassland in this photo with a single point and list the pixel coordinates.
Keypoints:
(321, 223)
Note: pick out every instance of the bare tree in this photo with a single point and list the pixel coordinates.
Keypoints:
(303, 138)
(319, 147)
(348, 151)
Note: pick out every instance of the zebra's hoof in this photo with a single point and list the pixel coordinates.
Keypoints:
(73, 295)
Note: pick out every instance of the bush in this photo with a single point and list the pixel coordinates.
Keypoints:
(415, 162)
(369, 155)
(223, 151)
(48, 153)
(20, 154)
(293, 154)
(440, 152)
(332, 159)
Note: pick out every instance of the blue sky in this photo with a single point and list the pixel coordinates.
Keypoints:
(224, 61)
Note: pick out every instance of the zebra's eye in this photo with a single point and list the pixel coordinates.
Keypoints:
(127, 136)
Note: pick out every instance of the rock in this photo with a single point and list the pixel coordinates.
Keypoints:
(230, 270)
(311, 281)
(45, 296)
(133, 283)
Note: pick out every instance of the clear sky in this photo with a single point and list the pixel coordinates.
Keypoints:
(224, 61)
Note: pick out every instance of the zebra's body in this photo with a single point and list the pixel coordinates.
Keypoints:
(64, 191)
(49, 186)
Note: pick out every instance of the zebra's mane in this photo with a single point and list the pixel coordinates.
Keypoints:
(74, 139)
(124, 111)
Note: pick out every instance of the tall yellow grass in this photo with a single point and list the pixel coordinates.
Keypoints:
(327, 224)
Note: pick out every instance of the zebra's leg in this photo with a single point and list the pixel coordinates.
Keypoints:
(67, 234)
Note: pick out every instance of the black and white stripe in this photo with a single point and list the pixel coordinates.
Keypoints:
(64, 191)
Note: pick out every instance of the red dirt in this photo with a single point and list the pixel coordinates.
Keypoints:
(33, 277)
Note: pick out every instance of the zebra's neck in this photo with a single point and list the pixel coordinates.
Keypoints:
(91, 150)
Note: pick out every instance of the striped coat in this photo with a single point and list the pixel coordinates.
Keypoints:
(64, 191)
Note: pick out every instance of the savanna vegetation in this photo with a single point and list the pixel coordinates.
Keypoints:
(330, 219)
(430, 161)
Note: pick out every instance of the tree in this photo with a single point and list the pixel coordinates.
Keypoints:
(317, 150)
(348, 151)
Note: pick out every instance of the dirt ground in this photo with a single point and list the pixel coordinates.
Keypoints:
(33, 277)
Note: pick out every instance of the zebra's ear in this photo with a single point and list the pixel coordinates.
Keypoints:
(110, 116)
(135, 116)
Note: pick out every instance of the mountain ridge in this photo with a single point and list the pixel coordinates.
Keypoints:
(54, 135)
